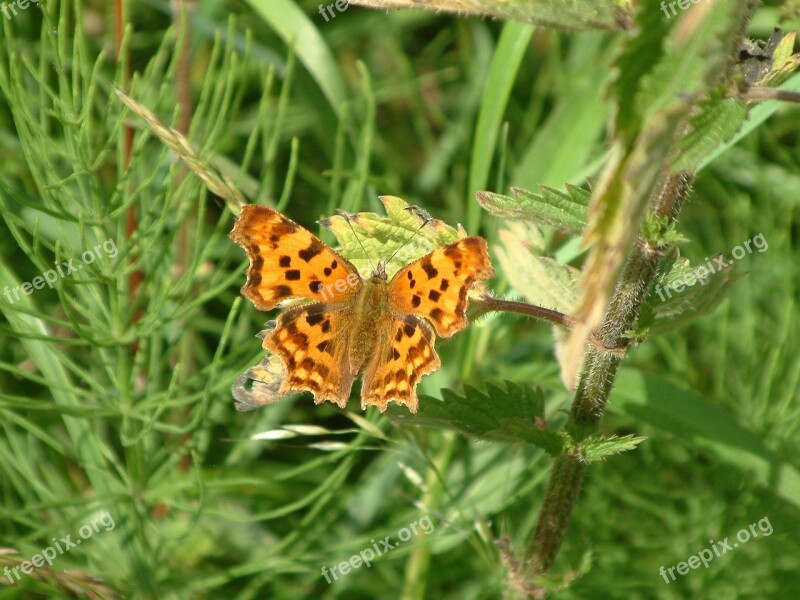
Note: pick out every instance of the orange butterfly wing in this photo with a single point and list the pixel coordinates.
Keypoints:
(436, 285)
(403, 354)
(312, 342)
(288, 261)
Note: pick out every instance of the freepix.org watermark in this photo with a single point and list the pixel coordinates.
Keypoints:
(701, 274)
(366, 556)
(341, 6)
(682, 4)
(63, 269)
(62, 545)
(705, 556)
(13, 6)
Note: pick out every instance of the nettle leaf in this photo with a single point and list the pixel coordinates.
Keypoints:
(682, 294)
(642, 50)
(618, 207)
(697, 55)
(566, 211)
(715, 123)
(597, 447)
(541, 279)
(407, 230)
(510, 412)
(576, 14)
(661, 231)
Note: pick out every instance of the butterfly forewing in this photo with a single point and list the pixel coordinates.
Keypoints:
(288, 261)
(436, 285)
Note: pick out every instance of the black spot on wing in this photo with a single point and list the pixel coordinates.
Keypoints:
(314, 319)
(282, 291)
(313, 250)
(292, 275)
(429, 269)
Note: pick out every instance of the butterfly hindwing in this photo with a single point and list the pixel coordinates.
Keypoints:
(403, 354)
(288, 261)
(436, 285)
(312, 342)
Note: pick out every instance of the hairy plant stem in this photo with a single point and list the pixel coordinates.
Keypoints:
(597, 378)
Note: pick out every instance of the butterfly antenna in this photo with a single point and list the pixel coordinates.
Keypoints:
(428, 219)
(346, 217)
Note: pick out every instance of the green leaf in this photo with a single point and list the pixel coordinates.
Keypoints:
(404, 234)
(566, 211)
(597, 447)
(660, 231)
(511, 46)
(697, 56)
(716, 121)
(618, 208)
(784, 63)
(512, 413)
(690, 417)
(297, 30)
(641, 52)
(567, 144)
(575, 14)
(541, 279)
(683, 294)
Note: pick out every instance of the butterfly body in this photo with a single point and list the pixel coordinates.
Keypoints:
(378, 328)
(369, 317)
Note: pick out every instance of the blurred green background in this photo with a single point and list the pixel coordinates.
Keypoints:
(115, 383)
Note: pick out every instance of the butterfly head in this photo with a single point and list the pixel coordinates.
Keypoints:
(379, 272)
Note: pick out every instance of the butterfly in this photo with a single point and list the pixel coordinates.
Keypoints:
(349, 326)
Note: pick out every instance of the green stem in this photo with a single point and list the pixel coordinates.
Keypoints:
(597, 379)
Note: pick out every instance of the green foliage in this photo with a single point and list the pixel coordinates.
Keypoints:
(541, 279)
(682, 294)
(565, 211)
(595, 448)
(115, 383)
(553, 14)
(403, 235)
(512, 413)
